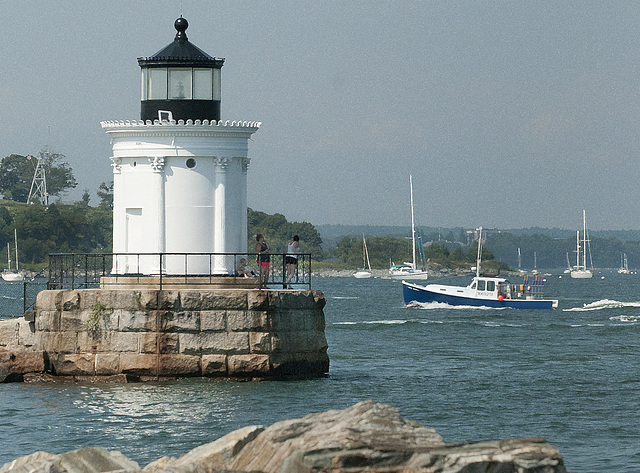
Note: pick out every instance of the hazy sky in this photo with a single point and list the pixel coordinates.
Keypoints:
(507, 113)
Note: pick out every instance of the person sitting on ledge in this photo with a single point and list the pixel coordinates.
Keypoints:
(244, 269)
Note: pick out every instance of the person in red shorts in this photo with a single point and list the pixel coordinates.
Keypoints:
(262, 249)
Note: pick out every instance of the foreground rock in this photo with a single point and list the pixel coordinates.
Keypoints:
(366, 437)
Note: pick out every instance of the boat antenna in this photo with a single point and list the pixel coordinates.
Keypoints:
(479, 257)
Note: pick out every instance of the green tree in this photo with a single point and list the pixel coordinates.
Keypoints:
(437, 253)
(105, 194)
(16, 174)
(86, 198)
(278, 232)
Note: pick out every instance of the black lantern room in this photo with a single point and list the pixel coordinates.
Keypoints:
(180, 82)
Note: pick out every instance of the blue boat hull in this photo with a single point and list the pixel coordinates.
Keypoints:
(412, 294)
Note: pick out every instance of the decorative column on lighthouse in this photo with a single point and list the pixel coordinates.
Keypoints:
(179, 173)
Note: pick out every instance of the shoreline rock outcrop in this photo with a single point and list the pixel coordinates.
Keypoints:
(366, 437)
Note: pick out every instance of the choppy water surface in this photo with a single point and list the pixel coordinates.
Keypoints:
(570, 375)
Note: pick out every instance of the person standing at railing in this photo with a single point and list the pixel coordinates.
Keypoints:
(293, 248)
(262, 249)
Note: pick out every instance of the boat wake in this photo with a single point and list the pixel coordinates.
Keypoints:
(602, 304)
(625, 318)
(377, 322)
(442, 305)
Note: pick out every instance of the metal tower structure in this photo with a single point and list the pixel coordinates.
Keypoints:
(38, 191)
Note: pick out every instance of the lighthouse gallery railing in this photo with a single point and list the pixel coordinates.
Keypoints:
(92, 270)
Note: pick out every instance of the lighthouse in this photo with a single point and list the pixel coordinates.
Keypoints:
(180, 172)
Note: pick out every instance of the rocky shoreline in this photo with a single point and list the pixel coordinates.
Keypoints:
(366, 437)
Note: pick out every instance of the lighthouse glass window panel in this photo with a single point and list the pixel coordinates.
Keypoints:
(179, 84)
(145, 84)
(157, 88)
(202, 84)
(216, 84)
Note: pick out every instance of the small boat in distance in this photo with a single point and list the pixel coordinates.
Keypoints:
(365, 271)
(624, 265)
(410, 270)
(8, 274)
(580, 271)
(484, 291)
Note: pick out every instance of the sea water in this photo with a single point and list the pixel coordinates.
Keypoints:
(570, 375)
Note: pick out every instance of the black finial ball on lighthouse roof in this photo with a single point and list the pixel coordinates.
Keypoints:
(180, 81)
(181, 26)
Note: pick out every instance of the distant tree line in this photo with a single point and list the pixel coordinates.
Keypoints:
(553, 252)
(55, 228)
(501, 247)
(387, 250)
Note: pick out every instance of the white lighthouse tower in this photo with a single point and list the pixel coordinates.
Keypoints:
(179, 173)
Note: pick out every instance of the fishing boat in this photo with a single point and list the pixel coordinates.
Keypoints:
(410, 270)
(483, 291)
(580, 271)
(624, 265)
(8, 274)
(365, 271)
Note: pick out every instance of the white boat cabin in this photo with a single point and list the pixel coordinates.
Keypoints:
(492, 288)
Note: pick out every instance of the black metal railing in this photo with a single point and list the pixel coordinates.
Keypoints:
(18, 297)
(164, 270)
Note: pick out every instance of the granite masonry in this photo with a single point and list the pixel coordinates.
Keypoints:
(150, 334)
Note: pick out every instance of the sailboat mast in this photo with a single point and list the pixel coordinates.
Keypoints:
(413, 228)
(584, 234)
(15, 236)
(578, 249)
(8, 256)
(366, 252)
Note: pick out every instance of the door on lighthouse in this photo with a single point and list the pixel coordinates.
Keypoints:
(134, 242)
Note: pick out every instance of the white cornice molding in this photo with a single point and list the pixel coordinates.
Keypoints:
(179, 128)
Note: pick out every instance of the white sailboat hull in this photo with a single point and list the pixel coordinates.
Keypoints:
(408, 274)
(12, 277)
(362, 275)
(581, 274)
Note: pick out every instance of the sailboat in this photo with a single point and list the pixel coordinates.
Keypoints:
(535, 263)
(624, 265)
(580, 271)
(409, 270)
(8, 274)
(365, 271)
(568, 270)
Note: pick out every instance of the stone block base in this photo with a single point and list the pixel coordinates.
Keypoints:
(147, 333)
